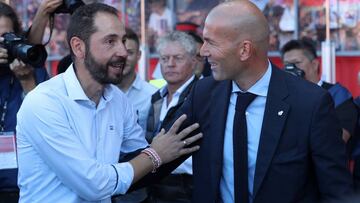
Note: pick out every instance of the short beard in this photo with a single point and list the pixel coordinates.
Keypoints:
(100, 71)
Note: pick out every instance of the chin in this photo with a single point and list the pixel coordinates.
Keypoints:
(217, 76)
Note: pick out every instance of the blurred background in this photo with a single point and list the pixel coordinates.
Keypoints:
(288, 19)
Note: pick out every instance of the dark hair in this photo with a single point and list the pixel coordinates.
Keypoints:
(82, 21)
(8, 11)
(304, 44)
(131, 35)
(196, 37)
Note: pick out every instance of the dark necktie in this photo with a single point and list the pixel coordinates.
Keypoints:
(241, 188)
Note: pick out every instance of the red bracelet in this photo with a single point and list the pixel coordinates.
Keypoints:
(154, 157)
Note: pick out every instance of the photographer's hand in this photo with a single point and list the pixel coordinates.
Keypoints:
(41, 19)
(24, 73)
(3, 56)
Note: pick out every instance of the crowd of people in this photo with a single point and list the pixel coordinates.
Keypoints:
(248, 132)
(280, 14)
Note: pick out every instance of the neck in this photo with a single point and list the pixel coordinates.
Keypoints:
(249, 76)
(93, 89)
(127, 81)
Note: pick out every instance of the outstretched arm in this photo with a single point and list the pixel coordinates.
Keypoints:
(41, 19)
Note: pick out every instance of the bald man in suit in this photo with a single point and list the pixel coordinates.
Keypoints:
(295, 152)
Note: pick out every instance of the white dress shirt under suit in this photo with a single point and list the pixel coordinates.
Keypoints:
(254, 118)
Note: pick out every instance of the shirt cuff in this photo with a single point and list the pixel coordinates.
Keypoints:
(125, 174)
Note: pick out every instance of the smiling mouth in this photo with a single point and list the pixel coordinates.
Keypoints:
(117, 65)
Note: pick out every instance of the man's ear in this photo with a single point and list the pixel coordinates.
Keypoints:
(316, 65)
(245, 50)
(139, 55)
(78, 47)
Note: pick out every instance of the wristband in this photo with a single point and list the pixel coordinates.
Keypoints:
(154, 157)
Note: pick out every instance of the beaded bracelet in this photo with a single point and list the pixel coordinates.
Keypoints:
(154, 157)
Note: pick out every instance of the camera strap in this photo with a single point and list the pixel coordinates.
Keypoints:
(5, 105)
(51, 27)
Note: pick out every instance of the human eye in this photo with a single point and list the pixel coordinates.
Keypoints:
(164, 59)
(110, 41)
(179, 58)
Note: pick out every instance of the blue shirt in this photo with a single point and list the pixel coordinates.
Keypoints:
(8, 177)
(70, 149)
(139, 94)
(254, 118)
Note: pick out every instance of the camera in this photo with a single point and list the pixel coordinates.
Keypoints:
(34, 55)
(69, 6)
(292, 69)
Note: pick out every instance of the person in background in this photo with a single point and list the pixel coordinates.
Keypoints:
(139, 94)
(137, 90)
(202, 68)
(302, 54)
(16, 80)
(161, 21)
(63, 64)
(178, 61)
(73, 128)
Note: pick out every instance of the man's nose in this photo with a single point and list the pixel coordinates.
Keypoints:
(121, 50)
(204, 51)
(171, 61)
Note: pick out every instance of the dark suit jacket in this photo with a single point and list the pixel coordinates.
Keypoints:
(153, 125)
(301, 155)
(345, 109)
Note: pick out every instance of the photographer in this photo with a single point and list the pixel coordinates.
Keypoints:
(16, 80)
(302, 54)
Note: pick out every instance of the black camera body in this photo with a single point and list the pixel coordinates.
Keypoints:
(34, 55)
(292, 69)
(69, 6)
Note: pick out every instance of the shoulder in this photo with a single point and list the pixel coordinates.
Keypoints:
(49, 88)
(147, 87)
(207, 84)
(296, 84)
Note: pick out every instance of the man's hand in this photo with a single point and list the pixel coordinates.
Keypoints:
(172, 145)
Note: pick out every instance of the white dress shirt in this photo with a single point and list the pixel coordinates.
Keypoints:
(186, 166)
(68, 147)
(254, 118)
(139, 94)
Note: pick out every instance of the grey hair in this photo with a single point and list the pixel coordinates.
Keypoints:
(184, 39)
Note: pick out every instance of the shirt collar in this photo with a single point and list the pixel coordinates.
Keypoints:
(137, 83)
(74, 89)
(164, 91)
(320, 83)
(260, 88)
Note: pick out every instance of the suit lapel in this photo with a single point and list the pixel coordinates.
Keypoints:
(219, 107)
(275, 115)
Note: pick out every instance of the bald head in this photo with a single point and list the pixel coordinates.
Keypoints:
(241, 20)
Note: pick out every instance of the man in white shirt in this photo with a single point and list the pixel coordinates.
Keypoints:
(178, 61)
(73, 128)
(139, 94)
(137, 90)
